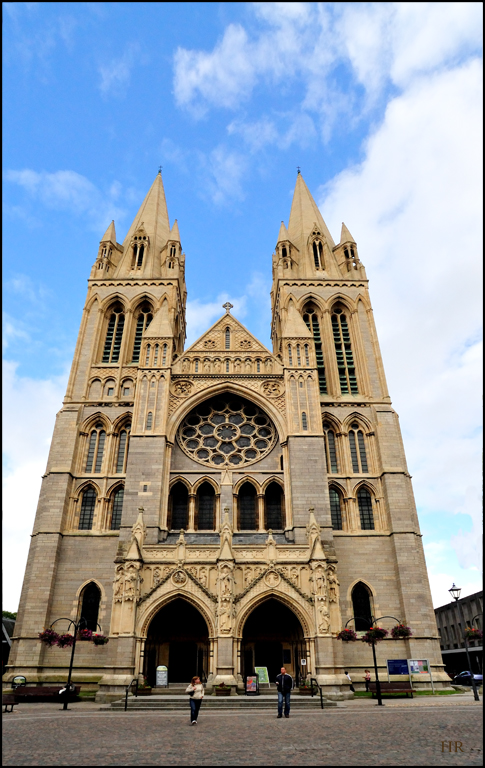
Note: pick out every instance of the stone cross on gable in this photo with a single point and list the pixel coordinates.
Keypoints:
(227, 306)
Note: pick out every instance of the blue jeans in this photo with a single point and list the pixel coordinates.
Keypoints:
(194, 709)
(284, 697)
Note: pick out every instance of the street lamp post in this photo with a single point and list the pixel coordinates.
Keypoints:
(77, 626)
(371, 623)
(455, 593)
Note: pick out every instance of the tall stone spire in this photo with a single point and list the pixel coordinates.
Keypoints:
(110, 234)
(153, 215)
(304, 214)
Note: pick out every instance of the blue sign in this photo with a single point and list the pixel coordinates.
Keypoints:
(397, 667)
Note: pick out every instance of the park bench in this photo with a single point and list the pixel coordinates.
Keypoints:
(9, 700)
(43, 693)
(403, 687)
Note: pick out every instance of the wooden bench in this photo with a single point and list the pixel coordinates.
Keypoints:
(44, 693)
(9, 700)
(399, 687)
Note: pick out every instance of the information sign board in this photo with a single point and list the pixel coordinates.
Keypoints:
(262, 672)
(418, 666)
(397, 667)
(162, 677)
(252, 685)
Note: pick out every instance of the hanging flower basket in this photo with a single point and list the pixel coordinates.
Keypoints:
(100, 639)
(65, 641)
(49, 637)
(401, 631)
(347, 635)
(374, 635)
(85, 634)
(473, 634)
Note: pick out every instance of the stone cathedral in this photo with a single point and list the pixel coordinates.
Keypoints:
(224, 507)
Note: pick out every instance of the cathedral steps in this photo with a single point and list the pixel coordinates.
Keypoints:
(171, 702)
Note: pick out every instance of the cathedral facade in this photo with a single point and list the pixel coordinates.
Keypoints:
(224, 507)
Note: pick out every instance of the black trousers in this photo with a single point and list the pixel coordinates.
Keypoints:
(194, 709)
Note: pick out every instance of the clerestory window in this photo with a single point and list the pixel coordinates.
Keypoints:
(330, 448)
(311, 320)
(117, 508)
(97, 440)
(336, 509)
(114, 334)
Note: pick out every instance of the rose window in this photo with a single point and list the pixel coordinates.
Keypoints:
(226, 431)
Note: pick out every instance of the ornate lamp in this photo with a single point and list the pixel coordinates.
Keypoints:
(455, 592)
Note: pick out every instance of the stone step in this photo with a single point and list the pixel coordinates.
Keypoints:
(224, 703)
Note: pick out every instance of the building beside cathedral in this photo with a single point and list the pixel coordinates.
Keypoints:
(222, 507)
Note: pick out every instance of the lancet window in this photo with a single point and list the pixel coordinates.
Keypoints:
(228, 338)
(149, 420)
(123, 445)
(335, 508)
(139, 248)
(330, 448)
(114, 334)
(179, 507)
(273, 505)
(117, 508)
(97, 439)
(247, 508)
(343, 351)
(318, 253)
(304, 420)
(357, 449)
(361, 606)
(205, 507)
(144, 319)
(365, 510)
(311, 320)
(88, 503)
(91, 597)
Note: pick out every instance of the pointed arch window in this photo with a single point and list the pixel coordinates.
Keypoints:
(164, 359)
(117, 508)
(298, 354)
(205, 506)
(361, 607)
(94, 461)
(91, 598)
(179, 507)
(290, 355)
(336, 509)
(88, 503)
(155, 355)
(304, 421)
(228, 338)
(311, 320)
(247, 508)
(144, 319)
(307, 355)
(114, 334)
(343, 351)
(123, 449)
(357, 449)
(365, 510)
(330, 448)
(149, 420)
(273, 507)
(318, 254)
(147, 357)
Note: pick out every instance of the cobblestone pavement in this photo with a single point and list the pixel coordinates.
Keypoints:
(396, 734)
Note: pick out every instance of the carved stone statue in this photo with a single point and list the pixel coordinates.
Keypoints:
(248, 365)
(319, 581)
(157, 577)
(185, 365)
(248, 577)
(203, 576)
(333, 584)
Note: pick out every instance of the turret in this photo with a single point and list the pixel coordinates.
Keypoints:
(109, 255)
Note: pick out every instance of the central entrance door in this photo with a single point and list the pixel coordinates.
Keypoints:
(272, 638)
(178, 638)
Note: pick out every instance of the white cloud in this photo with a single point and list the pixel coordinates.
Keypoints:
(421, 245)
(116, 74)
(70, 191)
(30, 407)
(222, 172)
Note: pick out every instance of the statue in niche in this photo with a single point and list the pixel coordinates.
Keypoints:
(248, 365)
(237, 366)
(185, 365)
(323, 618)
(226, 583)
(225, 618)
(130, 586)
(217, 366)
(203, 576)
(207, 366)
(118, 585)
(294, 575)
(319, 581)
(268, 364)
(333, 584)
(166, 571)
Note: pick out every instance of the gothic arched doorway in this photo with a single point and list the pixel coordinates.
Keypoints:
(178, 638)
(272, 638)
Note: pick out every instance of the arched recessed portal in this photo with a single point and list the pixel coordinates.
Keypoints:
(272, 638)
(178, 638)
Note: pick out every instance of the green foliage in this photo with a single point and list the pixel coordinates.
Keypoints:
(9, 615)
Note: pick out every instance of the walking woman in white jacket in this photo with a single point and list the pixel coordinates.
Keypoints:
(196, 693)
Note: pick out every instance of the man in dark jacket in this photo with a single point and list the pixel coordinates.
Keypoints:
(284, 684)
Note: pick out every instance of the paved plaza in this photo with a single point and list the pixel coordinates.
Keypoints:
(403, 732)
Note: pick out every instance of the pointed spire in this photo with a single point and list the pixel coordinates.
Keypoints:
(283, 234)
(110, 234)
(174, 232)
(304, 215)
(345, 236)
(153, 215)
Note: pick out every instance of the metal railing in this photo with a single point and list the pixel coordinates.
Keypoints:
(127, 690)
(312, 680)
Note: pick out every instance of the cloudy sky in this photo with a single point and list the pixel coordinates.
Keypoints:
(380, 106)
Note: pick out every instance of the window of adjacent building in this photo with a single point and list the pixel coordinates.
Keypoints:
(91, 597)
(273, 506)
(143, 321)
(123, 450)
(247, 508)
(311, 320)
(330, 449)
(205, 506)
(97, 439)
(357, 449)
(88, 503)
(114, 334)
(361, 607)
(343, 351)
(179, 507)
(365, 510)
(117, 508)
(336, 509)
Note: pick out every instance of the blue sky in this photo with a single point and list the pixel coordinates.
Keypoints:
(380, 106)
